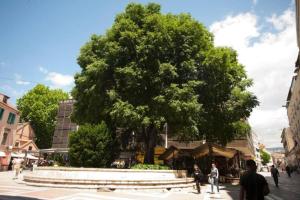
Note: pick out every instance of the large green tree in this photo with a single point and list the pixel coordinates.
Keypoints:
(152, 68)
(39, 106)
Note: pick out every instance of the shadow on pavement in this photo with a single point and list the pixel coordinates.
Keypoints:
(232, 191)
(7, 197)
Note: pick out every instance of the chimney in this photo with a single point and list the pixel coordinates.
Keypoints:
(3, 98)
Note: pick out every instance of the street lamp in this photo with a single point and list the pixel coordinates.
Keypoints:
(166, 137)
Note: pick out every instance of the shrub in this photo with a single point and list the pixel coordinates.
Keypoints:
(91, 146)
(150, 167)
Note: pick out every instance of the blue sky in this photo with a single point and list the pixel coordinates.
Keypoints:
(40, 41)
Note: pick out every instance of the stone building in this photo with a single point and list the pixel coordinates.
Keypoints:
(293, 103)
(289, 144)
(9, 117)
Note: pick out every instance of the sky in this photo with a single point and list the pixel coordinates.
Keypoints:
(40, 41)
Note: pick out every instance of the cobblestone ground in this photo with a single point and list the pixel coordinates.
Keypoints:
(14, 189)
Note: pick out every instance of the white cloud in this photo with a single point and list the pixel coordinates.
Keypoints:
(235, 31)
(43, 70)
(59, 80)
(269, 58)
(19, 80)
(12, 92)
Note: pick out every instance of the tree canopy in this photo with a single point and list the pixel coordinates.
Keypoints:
(91, 146)
(39, 107)
(152, 68)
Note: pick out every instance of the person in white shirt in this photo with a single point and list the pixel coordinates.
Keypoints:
(17, 162)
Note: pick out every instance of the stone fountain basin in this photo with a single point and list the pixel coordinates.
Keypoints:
(96, 178)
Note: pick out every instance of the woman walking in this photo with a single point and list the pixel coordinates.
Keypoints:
(214, 178)
(197, 177)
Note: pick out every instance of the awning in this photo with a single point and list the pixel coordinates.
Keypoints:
(217, 150)
(243, 146)
(2, 154)
(31, 157)
(17, 155)
(22, 155)
(171, 152)
(198, 152)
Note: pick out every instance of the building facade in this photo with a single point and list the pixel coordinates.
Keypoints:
(289, 144)
(24, 139)
(64, 124)
(293, 107)
(9, 117)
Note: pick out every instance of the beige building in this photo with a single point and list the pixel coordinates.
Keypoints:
(278, 159)
(289, 144)
(293, 107)
(24, 140)
(9, 117)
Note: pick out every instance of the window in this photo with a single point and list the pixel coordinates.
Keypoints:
(11, 118)
(1, 112)
(4, 138)
(17, 144)
(30, 148)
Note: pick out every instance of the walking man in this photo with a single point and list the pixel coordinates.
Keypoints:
(214, 177)
(275, 174)
(197, 177)
(254, 186)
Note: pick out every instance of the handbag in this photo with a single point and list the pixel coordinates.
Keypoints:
(209, 180)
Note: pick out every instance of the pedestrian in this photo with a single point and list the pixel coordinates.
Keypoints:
(254, 186)
(198, 177)
(288, 170)
(214, 177)
(17, 162)
(275, 174)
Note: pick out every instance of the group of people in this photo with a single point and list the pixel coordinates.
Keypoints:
(213, 177)
(252, 185)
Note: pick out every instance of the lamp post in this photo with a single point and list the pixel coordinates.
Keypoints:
(166, 138)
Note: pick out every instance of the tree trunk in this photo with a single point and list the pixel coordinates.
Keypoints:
(210, 153)
(150, 143)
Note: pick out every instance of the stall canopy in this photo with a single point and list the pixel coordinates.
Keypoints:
(22, 155)
(170, 153)
(2, 154)
(217, 150)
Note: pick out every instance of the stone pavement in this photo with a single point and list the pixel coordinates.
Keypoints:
(289, 188)
(15, 189)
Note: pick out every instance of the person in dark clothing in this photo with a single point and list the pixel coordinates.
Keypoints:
(275, 174)
(197, 177)
(252, 184)
(288, 170)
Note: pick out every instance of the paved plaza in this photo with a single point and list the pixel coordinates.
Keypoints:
(14, 189)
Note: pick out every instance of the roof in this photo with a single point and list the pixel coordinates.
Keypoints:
(217, 150)
(10, 106)
(28, 143)
(198, 152)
